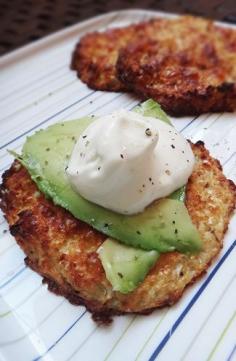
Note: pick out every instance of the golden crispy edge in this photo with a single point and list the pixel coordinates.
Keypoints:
(95, 60)
(142, 78)
(95, 55)
(221, 98)
(98, 72)
(24, 226)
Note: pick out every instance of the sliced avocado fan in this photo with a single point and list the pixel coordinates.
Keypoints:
(164, 226)
(125, 267)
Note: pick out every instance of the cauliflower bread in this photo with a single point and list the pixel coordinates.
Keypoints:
(187, 64)
(63, 249)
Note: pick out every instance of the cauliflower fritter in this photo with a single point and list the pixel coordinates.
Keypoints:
(95, 55)
(189, 67)
(63, 249)
(187, 64)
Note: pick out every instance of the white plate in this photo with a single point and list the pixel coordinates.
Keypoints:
(38, 89)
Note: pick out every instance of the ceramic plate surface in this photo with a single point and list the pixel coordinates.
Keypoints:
(38, 89)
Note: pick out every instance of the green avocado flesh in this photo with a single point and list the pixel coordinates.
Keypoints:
(125, 266)
(150, 108)
(164, 226)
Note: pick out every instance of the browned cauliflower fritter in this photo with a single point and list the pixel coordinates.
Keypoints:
(189, 68)
(186, 64)
(95, 55)
(63, 249)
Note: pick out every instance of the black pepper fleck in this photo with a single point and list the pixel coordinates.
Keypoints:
(122, 156)
(172, 146)
(5, 231)
(120, 275)
(84, 136)
(47, 149)
(138, 232)
(148, 132)
(176, 230)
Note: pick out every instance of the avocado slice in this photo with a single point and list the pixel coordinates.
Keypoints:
(150, 108)
(125, 267)
(164, 226)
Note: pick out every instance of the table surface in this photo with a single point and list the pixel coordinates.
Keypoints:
(22, 22)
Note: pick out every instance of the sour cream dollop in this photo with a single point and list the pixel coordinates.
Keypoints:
(124, 161)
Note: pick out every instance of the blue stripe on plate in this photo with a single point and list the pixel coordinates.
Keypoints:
(13, 277)
(54, 115)
(191, 121)
(33, 82)
(191, 303)
(178, 321)
(45, 120)
(231, 354)
(59, 339)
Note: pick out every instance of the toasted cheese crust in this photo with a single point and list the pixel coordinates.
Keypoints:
(187, 64)
(63, 249)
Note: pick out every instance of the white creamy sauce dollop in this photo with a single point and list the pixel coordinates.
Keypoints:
(124, 161)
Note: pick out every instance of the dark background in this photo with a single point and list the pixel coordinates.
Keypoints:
(24, 21)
